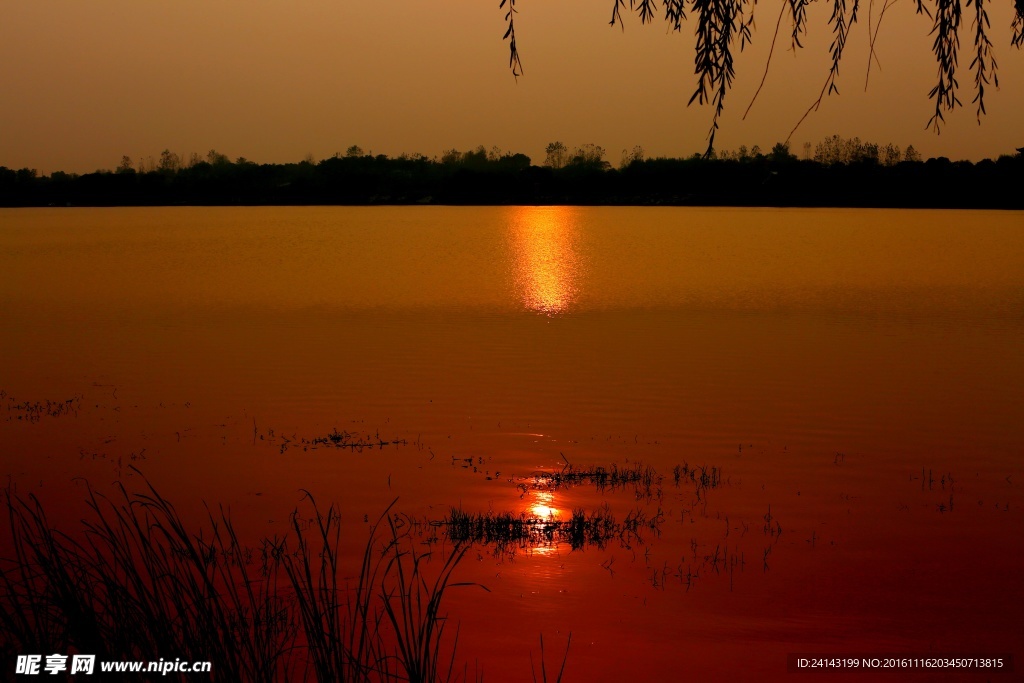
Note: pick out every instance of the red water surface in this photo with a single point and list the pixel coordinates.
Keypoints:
(853, 378)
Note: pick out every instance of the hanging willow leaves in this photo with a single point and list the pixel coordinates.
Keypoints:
(799, 10)
(841, 23)
(716, 30)
(720, 22)
(945, 46)
(984, 63)
(1018, 25)
(510, 36)
(675, 13)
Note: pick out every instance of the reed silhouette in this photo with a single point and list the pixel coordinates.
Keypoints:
(137, 583)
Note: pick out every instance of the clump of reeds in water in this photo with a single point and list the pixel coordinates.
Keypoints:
(34, 411)
(138, 585)
(344, 439)
(334, 439)
(644, 479)
(508, 532)
(702, 478)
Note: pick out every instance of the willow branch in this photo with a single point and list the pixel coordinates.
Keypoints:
(510, 36)
(768, 63)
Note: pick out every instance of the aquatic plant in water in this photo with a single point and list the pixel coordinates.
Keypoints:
(136, 584)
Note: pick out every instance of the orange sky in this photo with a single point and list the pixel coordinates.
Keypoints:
(84, 83)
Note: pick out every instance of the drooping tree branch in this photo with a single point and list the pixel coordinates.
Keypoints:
(873, 35)
(646, 11)
(768, 62)
(644, 8)
(510, 35)
(984, 63)
(675, 13)
(617, 6)
(945, 46)
(841, 24)
(799, 10)
(720, 22)
(1018, 25)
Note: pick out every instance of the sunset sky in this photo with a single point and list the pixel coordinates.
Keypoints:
(84, 83)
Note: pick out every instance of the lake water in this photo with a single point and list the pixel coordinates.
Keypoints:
(851, 380)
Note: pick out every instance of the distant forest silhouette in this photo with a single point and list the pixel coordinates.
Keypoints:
(837, 172)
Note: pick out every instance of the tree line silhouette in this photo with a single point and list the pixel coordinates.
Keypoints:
(836, 172)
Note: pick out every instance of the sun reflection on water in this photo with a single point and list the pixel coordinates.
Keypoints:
(542, 508)
(547, 264)
(542, 505)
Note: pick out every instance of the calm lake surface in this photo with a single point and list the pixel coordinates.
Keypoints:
(848, 381)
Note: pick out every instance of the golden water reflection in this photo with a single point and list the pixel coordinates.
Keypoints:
(542, 505)
(547, 266)
(544, 512)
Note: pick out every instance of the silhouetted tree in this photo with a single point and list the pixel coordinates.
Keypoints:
(890, 155)
(634, 156)
(589, 155)
(838, 150)
(215, 158)
(557, 154)
(780, 153)
(477, 159)
(169, 161)
(516, 161)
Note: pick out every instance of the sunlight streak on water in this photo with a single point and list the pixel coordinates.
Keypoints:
(547, 264)
(542, 505)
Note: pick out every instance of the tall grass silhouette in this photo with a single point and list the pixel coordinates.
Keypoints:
(136, 584)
